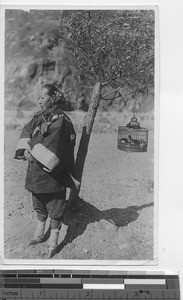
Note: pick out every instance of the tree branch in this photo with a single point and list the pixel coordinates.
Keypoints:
(113, 98)
(111, 92)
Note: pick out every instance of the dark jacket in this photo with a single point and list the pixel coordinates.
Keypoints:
(50, 138)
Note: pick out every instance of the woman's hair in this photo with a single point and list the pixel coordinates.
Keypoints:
(50, 88)
(54, 93)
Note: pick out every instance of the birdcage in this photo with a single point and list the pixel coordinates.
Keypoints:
(132, 137)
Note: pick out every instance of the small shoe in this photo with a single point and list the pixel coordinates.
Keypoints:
(52, 251)
(36, 241)
(39, 233)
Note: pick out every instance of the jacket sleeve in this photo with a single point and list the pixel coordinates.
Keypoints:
(23, 143)
(54, 149)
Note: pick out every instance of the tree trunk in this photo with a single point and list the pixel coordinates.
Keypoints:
(85, 136)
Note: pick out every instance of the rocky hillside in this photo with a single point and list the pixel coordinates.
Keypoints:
(34, 55)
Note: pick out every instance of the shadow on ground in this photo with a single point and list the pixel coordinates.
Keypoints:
(85, 213)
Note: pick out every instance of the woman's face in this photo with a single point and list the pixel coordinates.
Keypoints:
(44, 100)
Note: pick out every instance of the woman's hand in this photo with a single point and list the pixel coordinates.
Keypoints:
(27, 155)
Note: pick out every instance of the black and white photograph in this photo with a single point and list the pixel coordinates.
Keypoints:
(80, 135)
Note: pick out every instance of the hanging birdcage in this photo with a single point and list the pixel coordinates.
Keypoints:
(132, 137)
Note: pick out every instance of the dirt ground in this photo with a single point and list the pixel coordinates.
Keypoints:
(115, 218)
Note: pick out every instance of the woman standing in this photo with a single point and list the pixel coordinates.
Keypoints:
(47, 142)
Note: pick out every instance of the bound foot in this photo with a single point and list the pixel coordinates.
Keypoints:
(39, 234)
(53, 242)
(36, 241)
(52, 251)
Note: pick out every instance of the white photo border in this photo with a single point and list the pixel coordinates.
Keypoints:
(88, 263)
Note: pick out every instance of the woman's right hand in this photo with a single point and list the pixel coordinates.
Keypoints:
(27, 155)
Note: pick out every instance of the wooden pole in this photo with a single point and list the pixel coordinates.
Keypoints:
(85, 136)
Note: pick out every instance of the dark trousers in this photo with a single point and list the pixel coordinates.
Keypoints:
(51, 205)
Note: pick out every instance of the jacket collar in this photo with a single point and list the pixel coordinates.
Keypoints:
(51, 109)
